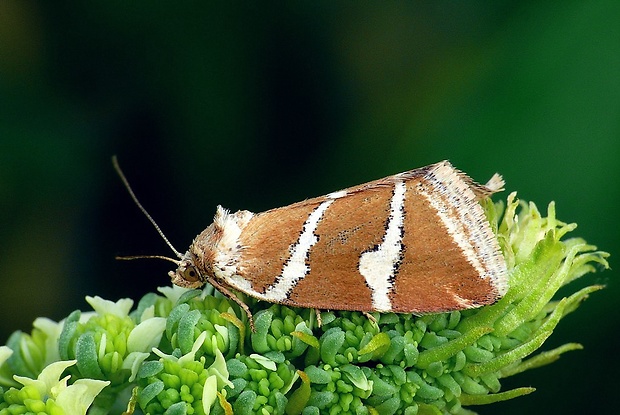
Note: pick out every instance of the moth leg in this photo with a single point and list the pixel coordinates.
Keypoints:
(221, 288)
(370, 317)
(319, 321)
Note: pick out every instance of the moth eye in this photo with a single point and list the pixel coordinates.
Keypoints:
(190, 274)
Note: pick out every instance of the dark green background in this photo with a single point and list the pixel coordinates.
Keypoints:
(253, 106)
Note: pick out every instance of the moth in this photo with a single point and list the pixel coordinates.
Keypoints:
(415, 242)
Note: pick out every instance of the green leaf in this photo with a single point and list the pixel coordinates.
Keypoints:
(262, 323)
(495, 397)
(187, 324)
(299, 398)
(86, 355)
(331, 341)
(378, 345)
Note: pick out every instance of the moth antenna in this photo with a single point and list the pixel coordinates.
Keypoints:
(117, 167)
(128, 258)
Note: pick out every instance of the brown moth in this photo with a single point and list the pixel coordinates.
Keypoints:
(415, 242)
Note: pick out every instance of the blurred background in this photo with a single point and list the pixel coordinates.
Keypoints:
(253, 107)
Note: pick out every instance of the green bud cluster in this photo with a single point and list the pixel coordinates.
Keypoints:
(49, 393)
(99, 345)
(191, 351)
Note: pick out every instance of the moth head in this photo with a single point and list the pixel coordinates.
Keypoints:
(187, 274)
(215, 251)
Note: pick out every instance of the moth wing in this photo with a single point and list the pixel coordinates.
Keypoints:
(309, 254)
